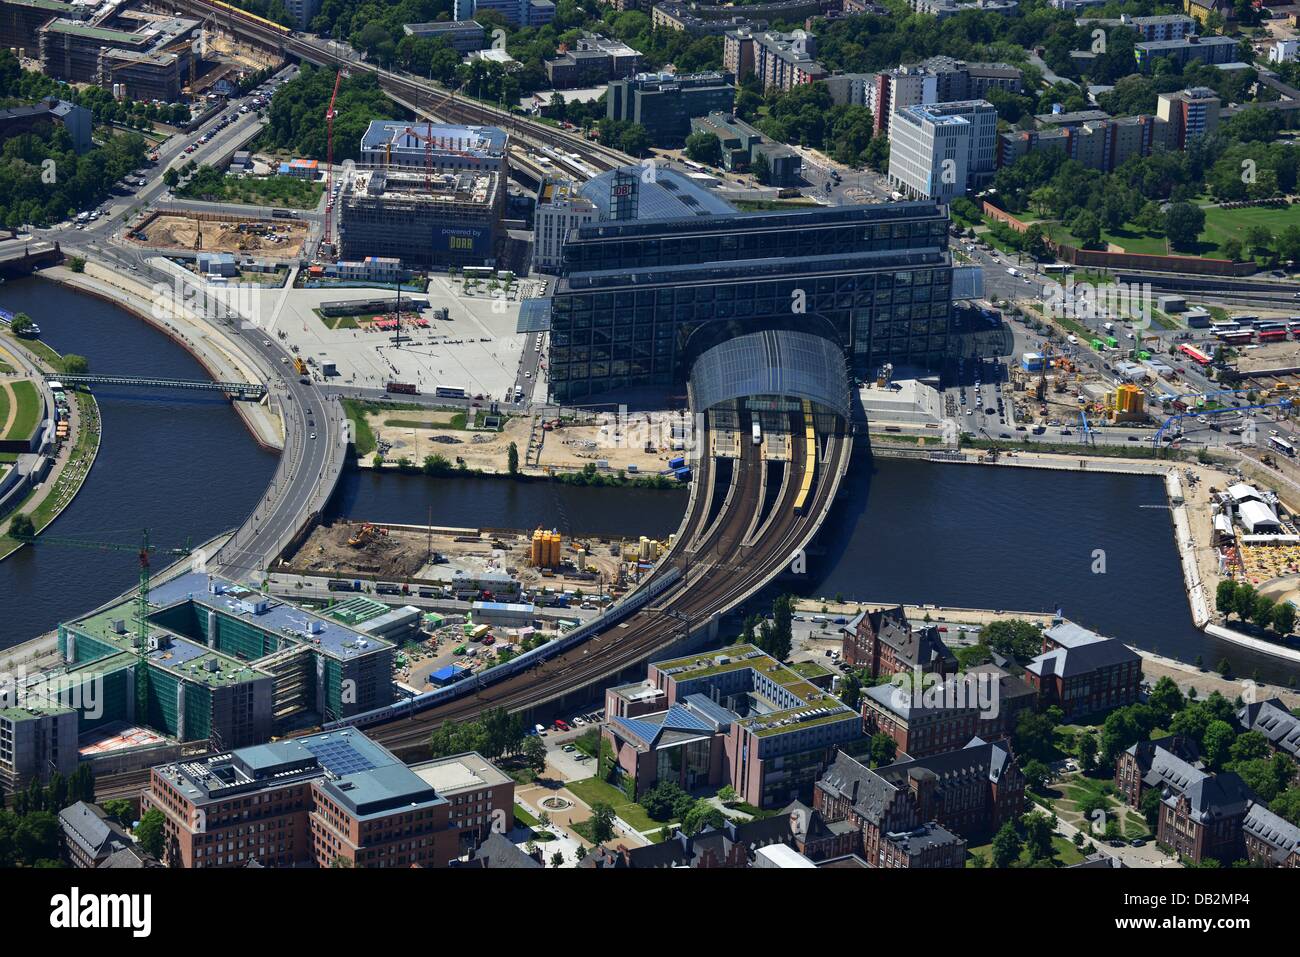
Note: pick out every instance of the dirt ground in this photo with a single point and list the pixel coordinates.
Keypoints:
(245, 56)
(488, 451)
(1271, 355)
(282, 240)
(401, 553)
(621, 443)
(415, 434)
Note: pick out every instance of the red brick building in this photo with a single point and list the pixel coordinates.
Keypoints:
(1173, 762)
(1205, 821)
(920, 813)
(1083, 673)
(885, 643)
(313, 801)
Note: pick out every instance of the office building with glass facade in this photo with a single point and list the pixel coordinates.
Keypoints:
(670, 270)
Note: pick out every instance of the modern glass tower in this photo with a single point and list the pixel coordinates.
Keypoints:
(639, 298)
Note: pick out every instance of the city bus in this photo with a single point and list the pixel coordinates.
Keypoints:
(1057, 269)
(1245, 337)
(1272, 335)
(1281, 445)
(448, 392)
(1196, 355)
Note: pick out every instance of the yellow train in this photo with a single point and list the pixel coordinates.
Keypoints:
(245, 15)
(810, 459)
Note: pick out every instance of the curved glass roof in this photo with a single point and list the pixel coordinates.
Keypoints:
(773, 362)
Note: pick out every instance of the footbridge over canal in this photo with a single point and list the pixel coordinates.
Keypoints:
(758, 498)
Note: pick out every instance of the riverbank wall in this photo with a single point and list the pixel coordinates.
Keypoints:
(220, 355)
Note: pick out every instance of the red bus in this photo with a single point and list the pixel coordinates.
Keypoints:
(1243, 338)
(1196, 355)
(1272, 335)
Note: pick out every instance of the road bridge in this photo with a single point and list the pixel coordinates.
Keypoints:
(239, 390)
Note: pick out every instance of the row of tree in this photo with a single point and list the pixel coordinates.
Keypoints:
(1241, 599)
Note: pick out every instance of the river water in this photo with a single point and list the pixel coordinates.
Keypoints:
(1099, 547)
(180, 465)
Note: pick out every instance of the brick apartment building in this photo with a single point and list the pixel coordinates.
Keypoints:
(1083, 673)
(921, 813)
(314, 800)
(885, 643)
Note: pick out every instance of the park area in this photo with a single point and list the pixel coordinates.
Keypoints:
(20, 410)
(282, 191)
(1221, 226)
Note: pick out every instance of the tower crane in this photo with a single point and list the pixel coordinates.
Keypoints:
(329, 159)
(143, 550)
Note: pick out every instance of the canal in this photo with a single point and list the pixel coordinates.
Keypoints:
(1099, 547)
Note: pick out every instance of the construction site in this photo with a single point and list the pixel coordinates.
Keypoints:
(209, 232)
(642, 444)
(1049, 389)
(447, 563)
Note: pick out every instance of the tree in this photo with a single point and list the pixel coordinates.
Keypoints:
(1038, 836)
(1015, 637)
(1035, 736)
(171, 177)
(727, 794)
(602, 822)
(557, 860)
(1086, 228)
(535, 753)
(704, 148)
(1219, 736)
(512, 459)
(1037, 774)
(1183, 225)
(701, 815)
(883, 749)
(1287, 805)
(74, 364)
(1087, 748)
(761, 168)
(1225, 597)
(1262, 611)
(1284, 618)
(1006, 846)
(21, 325)
(149, 832)
(776, 637)
(21, 528)
(1165, 698)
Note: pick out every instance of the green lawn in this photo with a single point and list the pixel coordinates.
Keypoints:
(4, 406)
(523, 818)
(29, 410)
(592, 790)
(1220, 226)
(362, 436)
(1224, 224)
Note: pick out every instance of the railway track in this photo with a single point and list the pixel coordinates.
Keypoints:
(721, 574)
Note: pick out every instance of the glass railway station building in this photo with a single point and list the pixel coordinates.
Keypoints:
(669, 270)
